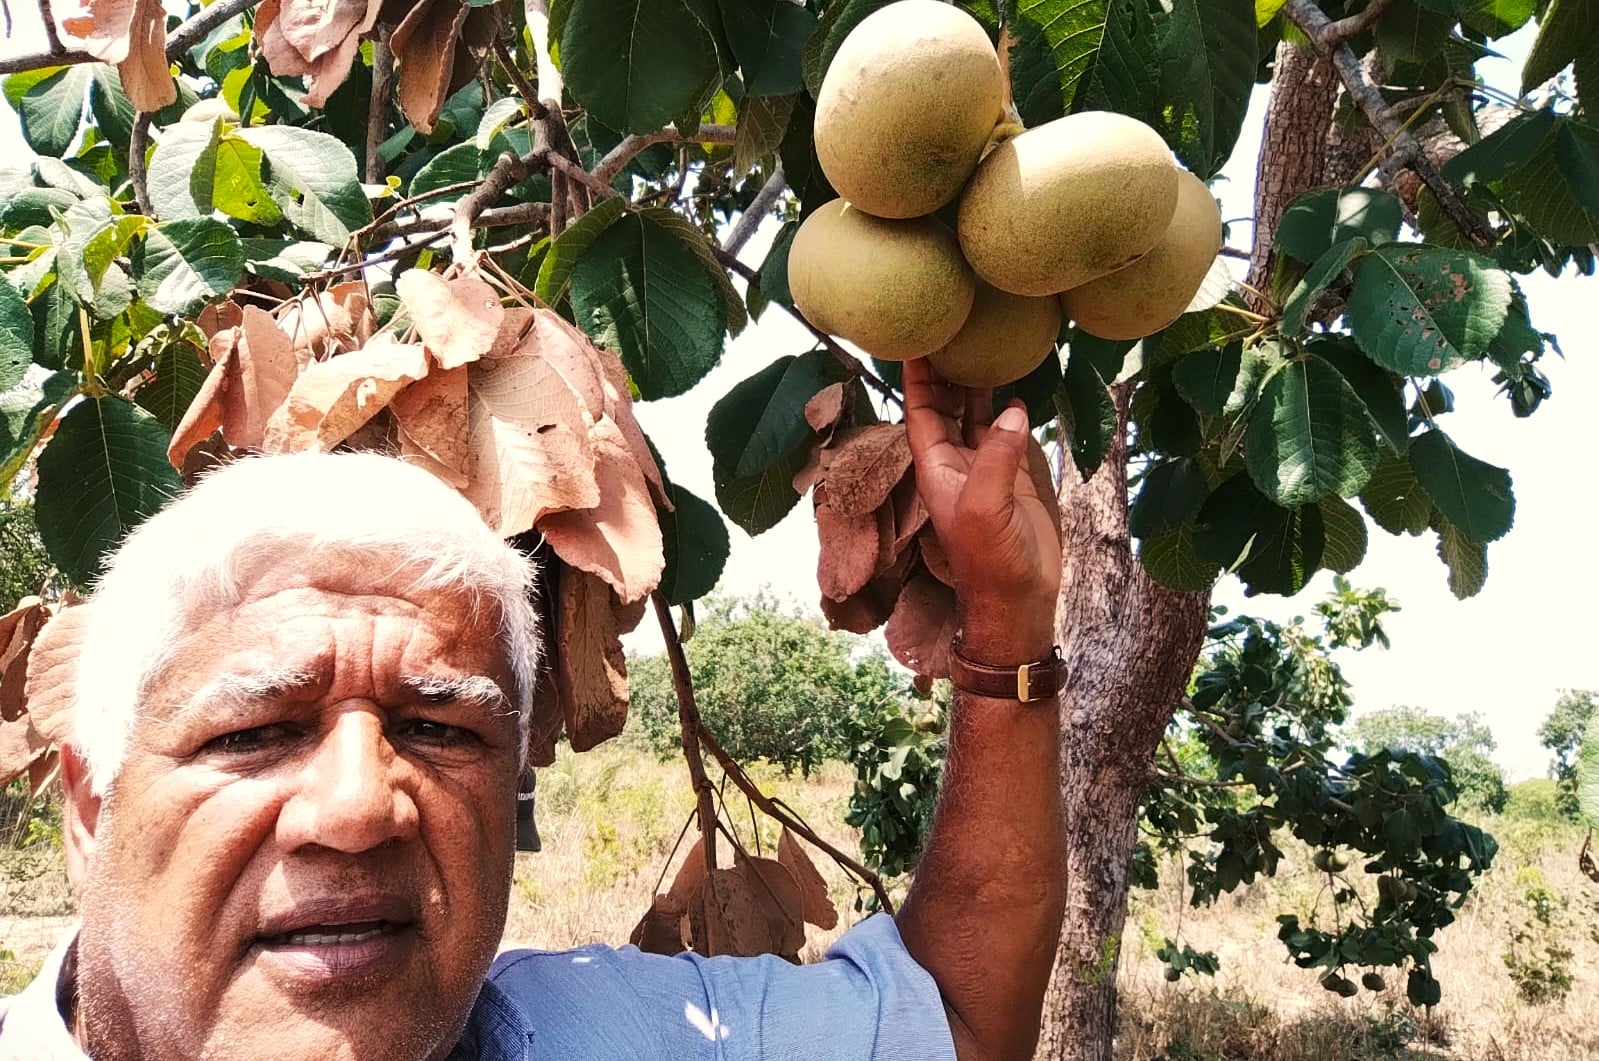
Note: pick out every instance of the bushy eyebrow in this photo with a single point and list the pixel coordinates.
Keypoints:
(474, 689)
(228, 690)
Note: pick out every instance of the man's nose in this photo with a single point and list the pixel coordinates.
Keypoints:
(350, 795)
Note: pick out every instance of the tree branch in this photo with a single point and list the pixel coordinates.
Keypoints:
(1404, 148)
(378, 106)
(688, 718)
(180, 41)
(619, 156)
(497, 217)
(756, 212)
(136, 172)
(508, 172)
(1346, 29)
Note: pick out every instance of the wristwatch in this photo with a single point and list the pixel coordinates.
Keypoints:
(1029, 683)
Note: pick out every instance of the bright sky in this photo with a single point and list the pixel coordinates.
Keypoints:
(1505, 653)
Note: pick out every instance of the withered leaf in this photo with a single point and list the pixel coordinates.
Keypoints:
(847, 559)
(690, 874)
(727, 916)
(589, 664)
(867, 467)
(316, 27)
(458, 319)
(332, 398)
(329, 322)
(283, 58)
(52, 670)
(219, 316)
(660, 930)
(100, 27)
(919, 631)
(204, 414)
(431, 414)
(618, 539)
(146, 77)
(549, 716)
(424, 55)
(825, 407)
(868, 609)
(572, 357)
(818, 909)
(262, 369)
(910, 513)
(20, 746)
(528, 445)
(42, 771)
(781, 900)
(18, 629)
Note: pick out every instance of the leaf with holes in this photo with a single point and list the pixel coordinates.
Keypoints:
(1473, 495)
(1422, 310)
(182, 265)
(1326, 270)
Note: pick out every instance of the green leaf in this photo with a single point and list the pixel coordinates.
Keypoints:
(1206, 378)
(1466, 560)
(695, 240)
(1319, 220)
(495, 117)
(774, 270)
(1171, 561)
(1323, 272)
(1344, 531)
(25, 411)
(642, 290)
(454, 165)
(555, 272)
(108, 243)
(185, 264)
(1208, 61)
(1422, 989)
(1309, 436)
(1394, 499)
(1495, 18)
(836, 22)
(762, 123)
(696, 545)
(234, 183)
(178, 378)
(638, 64)
(177, 158)
(1266, 10)
(312, 178)
(80, 222)
(285, 260)
(57, 340)
(1170, 496)
(1588, 774)
(112, 110)
(1473, 495)
(1503, 151)
(758, 438)
(51, 108)
(1380, 390)
(1105, 52)
(1089, 414)
(1410, 32)
(1422, 310)
(1567, 30)
(103, 473)
(16, 335)
(1272, 549)
(767, 38)
(33, 206)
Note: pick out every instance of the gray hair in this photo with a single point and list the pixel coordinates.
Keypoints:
(326, 511)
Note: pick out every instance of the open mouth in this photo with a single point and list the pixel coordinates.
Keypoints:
(332, 935)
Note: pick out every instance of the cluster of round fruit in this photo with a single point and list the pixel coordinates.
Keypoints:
(1087, 217)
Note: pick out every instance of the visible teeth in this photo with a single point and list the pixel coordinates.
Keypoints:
(329, 939)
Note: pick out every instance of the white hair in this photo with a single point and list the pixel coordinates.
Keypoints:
(323, 511)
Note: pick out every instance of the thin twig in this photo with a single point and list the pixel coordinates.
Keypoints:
(377, 223)
(756, 212)
(1195, 782)
(530, 95)
(496, 217)
(688, 717)
(178, 42)
(136, 171)
(848, 360)
(616, 160)
(507, 172)
(379, 105)
(397, 251)
(580, 175)
(49, 17)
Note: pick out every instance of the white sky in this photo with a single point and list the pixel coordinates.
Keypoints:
(1505, 653)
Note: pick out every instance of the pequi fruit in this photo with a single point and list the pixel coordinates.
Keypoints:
(1340, 985)
(1374, 982)
(1337, 862)
(1172, 976)
(1069, 201)
(897, 289)
(1149, 294)
(1322, 861)
(1004, 338)
(907, 107)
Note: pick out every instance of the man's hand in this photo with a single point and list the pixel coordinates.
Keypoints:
(1000, 536)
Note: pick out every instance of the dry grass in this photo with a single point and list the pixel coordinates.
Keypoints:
(610, 818)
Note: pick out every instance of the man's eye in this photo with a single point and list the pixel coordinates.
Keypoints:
(431, 732)
(246, 740)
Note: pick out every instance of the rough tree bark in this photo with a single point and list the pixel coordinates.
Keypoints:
(1130, 646)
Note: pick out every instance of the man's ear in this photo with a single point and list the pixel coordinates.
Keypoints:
(80, 816)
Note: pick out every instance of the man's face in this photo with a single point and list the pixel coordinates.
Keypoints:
(308, 850)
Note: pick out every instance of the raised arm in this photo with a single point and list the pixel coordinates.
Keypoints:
(984, 914)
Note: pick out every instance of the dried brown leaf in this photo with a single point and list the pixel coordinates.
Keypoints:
(20, 746)
(871, 607)
(424, 54)
(619, 538)
(330, 71)
(99, 27)
(283, 58)
(529, 451)
(431, 415)
(571, 355)
(219, 317)
(204, 414)
(42, 771)
(589, 665)
(458, 319)
(847, 559)
(146, 77)
(910, 514)
(818, 908)
(317, 27)
(727, 916)
(660, 930)
(332, 398)
(52, 669)
(19, 628)
(691, 874)
(934, 557)
(329, 322)
(261, 372)
(867, 467)
(781, 900)
(825, 407)
(919, 631)
(548, 716)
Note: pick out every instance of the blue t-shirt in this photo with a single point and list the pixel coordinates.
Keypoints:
(867, 1000)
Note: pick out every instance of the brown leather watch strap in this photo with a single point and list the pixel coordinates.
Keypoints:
(1029, 683)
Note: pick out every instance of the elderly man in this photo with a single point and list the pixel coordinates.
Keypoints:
(291, 792)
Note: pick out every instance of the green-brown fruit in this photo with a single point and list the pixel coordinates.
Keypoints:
(1069, 201)
(1149, 294)
(1347, 989)
(1322, 860)
(897, 289)
(1333, 982)
(1004, 338)
(1337, 861)
(1172, 976)
(1374, 982)
(907, 107)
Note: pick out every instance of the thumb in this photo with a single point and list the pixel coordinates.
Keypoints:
(991, 482)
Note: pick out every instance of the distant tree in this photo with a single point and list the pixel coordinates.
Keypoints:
(1465, 743)
(25, 567)
(1561, 733)
(770, 682)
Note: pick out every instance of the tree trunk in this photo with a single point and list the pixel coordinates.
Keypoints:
(1130, 646)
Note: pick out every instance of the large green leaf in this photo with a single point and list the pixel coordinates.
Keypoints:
(103, 473)
(774, 270)
(1422, 310)
(57, 340)
(1495, 18)
(16, 335)
(178, 378)
(1089, 414)
(1207, 50)
(1466, 560)
(1309, 436)
(1568, 30)
(50, 106)
(758, 438)
(1588, 774)
(1412, 32)
(231, 182)
(762, 124)
(637, 64)
(695, 240)
(1344, 531)
(182, 265)
(1473, 495)
(1394, 499)
(1170, 496)
(109, 243)
(1171, 561)
(1381, 390)
(767, 38)
(25, 411)
(177, 158)
(456, 164)
(285, 260)
(1272, 549)
(1323, 272)
(555, 271)
(1106, 54)
(113, 111)
(642, 290)
(34, 206)
(1206, 378)
(312, 177)
(1319, 220)
(696, 545)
